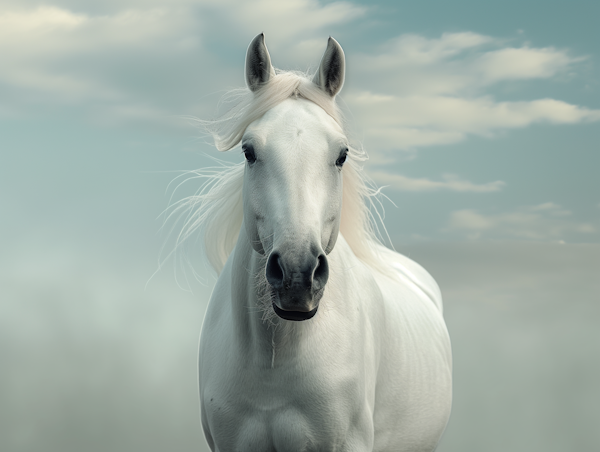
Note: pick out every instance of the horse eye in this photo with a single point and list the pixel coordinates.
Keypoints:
(249, 153)
(340, 161)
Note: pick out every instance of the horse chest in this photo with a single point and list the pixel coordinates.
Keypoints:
(277, 409)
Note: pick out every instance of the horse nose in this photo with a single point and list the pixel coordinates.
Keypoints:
(309, 274)
(321, 273)
(275, 272)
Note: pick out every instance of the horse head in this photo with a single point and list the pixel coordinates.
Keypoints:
(292, 188)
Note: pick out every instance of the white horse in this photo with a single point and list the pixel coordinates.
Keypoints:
(316, 338)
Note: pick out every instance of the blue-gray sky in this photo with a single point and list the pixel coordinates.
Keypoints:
(483, 121)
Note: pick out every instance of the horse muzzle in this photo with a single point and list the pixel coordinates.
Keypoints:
(297, 284)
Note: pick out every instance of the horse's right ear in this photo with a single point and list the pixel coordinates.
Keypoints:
(258, 63)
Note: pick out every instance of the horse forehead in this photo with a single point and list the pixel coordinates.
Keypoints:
(296, 118)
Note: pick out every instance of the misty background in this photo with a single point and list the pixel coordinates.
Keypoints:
(482, 123)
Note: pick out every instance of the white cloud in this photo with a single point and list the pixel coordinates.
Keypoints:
(522, 63)
(547, 221)
(55, 54)
(415, 50)
(51, 32)
(41, 19)
(120, 56)
(454, 63)
(423, 92)
(449, 182)
(397, 122)
(291, 19)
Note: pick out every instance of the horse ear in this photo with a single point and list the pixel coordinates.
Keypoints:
(258, 63)
(330, 75)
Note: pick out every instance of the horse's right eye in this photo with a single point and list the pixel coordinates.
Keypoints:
(342, 158)
(249, 153)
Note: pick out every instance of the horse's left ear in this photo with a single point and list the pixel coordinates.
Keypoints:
(330, 75)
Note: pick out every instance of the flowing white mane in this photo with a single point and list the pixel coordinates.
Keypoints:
(216, 209)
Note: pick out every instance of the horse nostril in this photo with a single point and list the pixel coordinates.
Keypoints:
(274, 271)
(321, 273)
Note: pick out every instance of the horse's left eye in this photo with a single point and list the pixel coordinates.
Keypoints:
(340, 161)
(249, 153)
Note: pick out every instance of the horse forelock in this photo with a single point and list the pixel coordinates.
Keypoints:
(249, 106)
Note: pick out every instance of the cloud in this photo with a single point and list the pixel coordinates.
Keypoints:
(521, 64)
(149, 59)
(43, 18)
(52, 55)
(291, 19)
(547, 221)
(450, 182)
(454, 63)
(424, 92)
(396, 122)
(139, 53)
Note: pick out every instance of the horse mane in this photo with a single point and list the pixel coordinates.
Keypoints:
(217, 210)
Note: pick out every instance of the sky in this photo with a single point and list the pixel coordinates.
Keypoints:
(480, 120)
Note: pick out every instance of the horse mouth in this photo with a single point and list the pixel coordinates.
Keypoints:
(296, 316)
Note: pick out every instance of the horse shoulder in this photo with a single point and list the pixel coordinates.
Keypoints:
(215, 332)
(217, 313)
(413, 275)
(415, 376)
